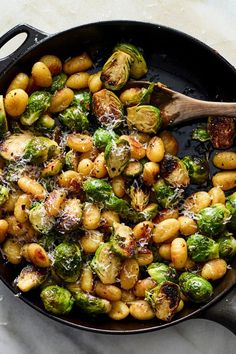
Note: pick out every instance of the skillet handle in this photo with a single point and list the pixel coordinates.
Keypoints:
(223, 311)
(33, 37)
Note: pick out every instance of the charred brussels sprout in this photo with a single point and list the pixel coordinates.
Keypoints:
(30, 278)
(174, 171)
(58, 82)
(103, 137)
(144, 118)
(39, 102)
(231, 206)
(138, 66)
(40, 149)
(196, 288)
(57, 300)
(164, 299)
(107, 108)
(221, 131)
(115, 72)
(200, 134)
(198, 169)
(106, 264)
(67, 261)
(117, 155)
(3, 118)
(4, 193)
(74, 118)
(13, 147)
(122, 240)
(227, 247)
(212, 220)
(160, 272)
(88, 303)
(83, 100)
(40, 220)
(139, 194)
(166, 196)
(202, 248)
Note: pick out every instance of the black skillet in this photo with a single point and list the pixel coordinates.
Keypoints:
(174, 58)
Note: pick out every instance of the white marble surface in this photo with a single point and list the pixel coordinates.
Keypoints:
(24, 331)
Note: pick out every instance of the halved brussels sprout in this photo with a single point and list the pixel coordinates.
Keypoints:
(4, 194)
(221, 131)
(57, 300)
(40, 220)
(122, 240)
(106, 264)
(231, 206)
(107, 108)
(115, 72)
(198, 169)
(14, 146)
(71, 160)
(166, 196)
(202, 248)
(164, 299)
(212, 221)
(139, 194)
(103, 137)
(149, 212)
(39, 102)
(30, 278)
(160, 272)
(52, 168)
(227, 247)
(117, 155)
(138, 65)
(82, 99)
(174, 171)
(70, 217)
(74, 118)
(45, 123)
(196, 288)
(97, 190)
(58, 82)
(144, 118)
(40, 149)
(67, 261)
(133, 169)
(3, 118)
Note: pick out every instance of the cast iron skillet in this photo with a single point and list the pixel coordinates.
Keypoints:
(181, 62)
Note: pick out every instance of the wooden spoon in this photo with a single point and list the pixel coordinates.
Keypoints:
(178, 108)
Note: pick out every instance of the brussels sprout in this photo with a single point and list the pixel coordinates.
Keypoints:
(97, 190)
(71, 160)
(166, 196)
(3, 118)
(4, 194)
(70, 217)
(115, 72)
(39, 102)
(40, 220)
(149, 212)
(117, 155)
(88, 303)
(67, 261)
(83, 100)
(160, 272)
(212, 221)
(45, 123)
(200, 134)
(58, 82)
(202, 248)
(122, 240)
(164, 299)
(40, 149)
(174, 171)
(119, 205)
(221, 131)
(227, 247)
(102, 137)
(144, 118)
(133, 169)
(196, 288)
(139, 194)
(49, 241)
(106, 264)
(138, 66)
(107, 108)
(13, 147)
(197, 168)
(57, 300)
(30, 278)
(52, 168)
(74, 118)
(231, 206)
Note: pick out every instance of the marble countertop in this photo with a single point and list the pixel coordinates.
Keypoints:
(22, 329)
